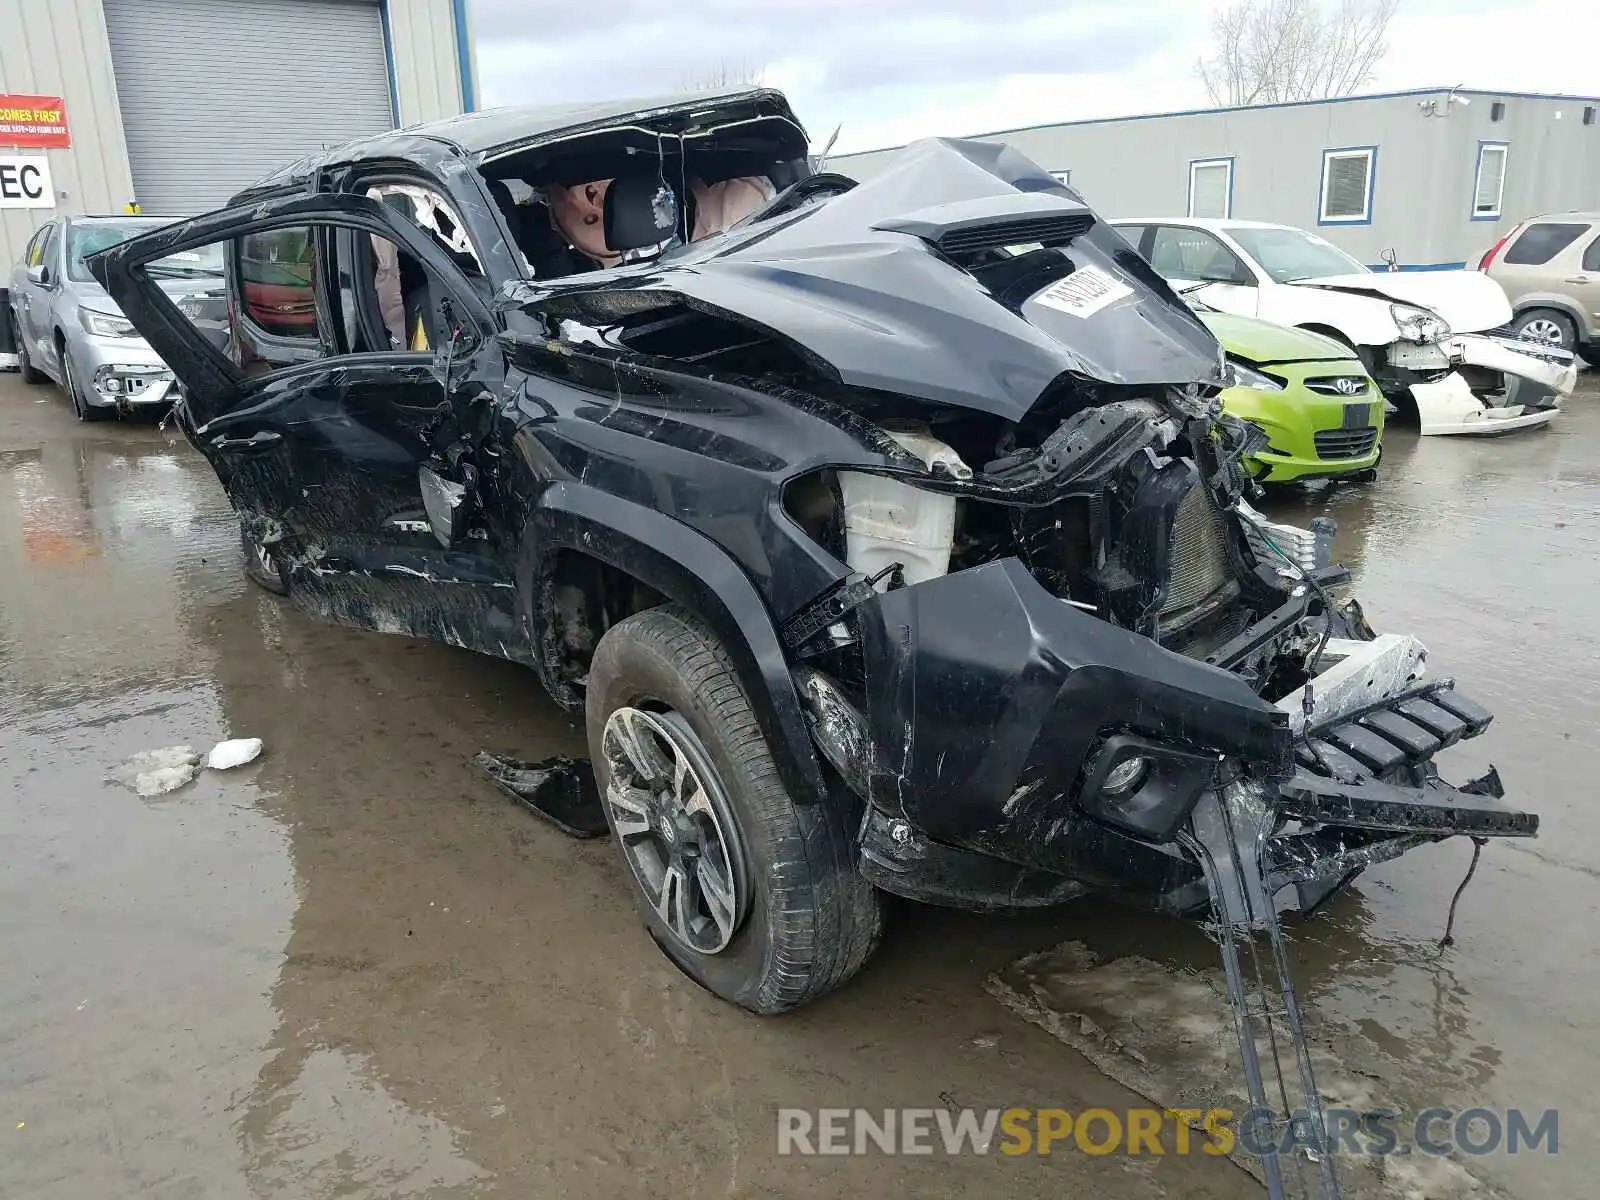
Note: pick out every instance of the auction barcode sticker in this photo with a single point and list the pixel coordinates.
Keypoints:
(1083, 293)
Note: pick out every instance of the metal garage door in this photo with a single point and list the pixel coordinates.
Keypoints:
(216, 94)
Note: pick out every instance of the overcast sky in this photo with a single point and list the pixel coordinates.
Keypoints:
(894, 70)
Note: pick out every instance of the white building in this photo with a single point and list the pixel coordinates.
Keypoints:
(1434, 175)
(174, 105)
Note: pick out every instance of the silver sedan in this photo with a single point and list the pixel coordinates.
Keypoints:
(68, 330)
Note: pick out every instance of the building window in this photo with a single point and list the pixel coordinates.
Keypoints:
(1346, 197)
(1211, 187)
(1490, 183)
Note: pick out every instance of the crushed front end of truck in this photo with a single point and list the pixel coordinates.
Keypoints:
(1148, 691)
(1056, 650)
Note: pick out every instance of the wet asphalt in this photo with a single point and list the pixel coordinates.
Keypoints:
(352, 969)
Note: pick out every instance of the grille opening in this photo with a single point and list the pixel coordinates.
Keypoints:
(1345, 443)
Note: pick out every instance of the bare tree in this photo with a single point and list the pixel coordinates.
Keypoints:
(1270, 51)
(722, 77)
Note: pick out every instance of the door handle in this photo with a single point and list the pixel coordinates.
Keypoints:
(1577, 279)
(259, 440)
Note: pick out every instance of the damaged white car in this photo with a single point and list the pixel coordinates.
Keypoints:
(1425, 336)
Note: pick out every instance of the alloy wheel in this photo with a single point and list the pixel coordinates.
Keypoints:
(1543, 329)
(678, 833)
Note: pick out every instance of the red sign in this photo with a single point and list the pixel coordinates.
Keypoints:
(39, 122)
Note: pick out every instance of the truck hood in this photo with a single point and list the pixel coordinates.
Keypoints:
(879, 287)
(1468, 301)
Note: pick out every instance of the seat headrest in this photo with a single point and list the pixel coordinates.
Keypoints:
(500, 190)
(640, 211)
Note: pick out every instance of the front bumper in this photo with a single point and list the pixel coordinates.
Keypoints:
(1479, 384)
(122, 373)
(1448, 407)
(983, 736)
(1546, 374)
(1308, 434)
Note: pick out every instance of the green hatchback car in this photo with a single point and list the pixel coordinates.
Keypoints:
(1320, 410)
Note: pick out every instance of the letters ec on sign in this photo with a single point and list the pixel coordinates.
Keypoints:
(25, 181)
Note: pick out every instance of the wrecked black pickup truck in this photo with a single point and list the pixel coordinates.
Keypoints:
(888, 535)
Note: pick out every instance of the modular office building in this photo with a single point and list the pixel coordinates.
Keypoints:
(1436, 175)
(168, 107)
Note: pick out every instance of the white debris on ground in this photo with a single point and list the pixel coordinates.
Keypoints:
(1167, 1035)
(156, 772)
(233, 753)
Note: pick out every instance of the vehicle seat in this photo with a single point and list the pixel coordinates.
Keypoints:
(640, 212)
(1220, 265)
(516, 215)
(543, 248)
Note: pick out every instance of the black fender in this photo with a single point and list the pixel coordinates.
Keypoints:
(690, 569)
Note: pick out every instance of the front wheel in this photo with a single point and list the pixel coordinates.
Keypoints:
(80, 407)
(261, 565)
(754, 897)
(30, 373)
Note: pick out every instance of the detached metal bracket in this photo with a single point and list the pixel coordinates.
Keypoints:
(803, 628)
(1227, 836)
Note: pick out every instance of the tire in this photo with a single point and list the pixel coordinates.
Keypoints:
(69, 384)
(1590, 353)
(804, 919)
(30, 373)
(260, 568)
(1547, 326)
(1370, 475)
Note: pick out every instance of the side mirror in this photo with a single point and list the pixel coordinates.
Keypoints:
(40, 274)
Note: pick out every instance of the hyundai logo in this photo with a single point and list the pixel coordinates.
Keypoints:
(1350, 386)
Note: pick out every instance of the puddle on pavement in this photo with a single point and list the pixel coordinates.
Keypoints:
(334, 1131)
(144, 936)
(353, 968)
(1167, 1034)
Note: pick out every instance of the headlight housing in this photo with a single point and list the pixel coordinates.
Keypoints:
(1249, 377)
(105, 325)
(1418, 324)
